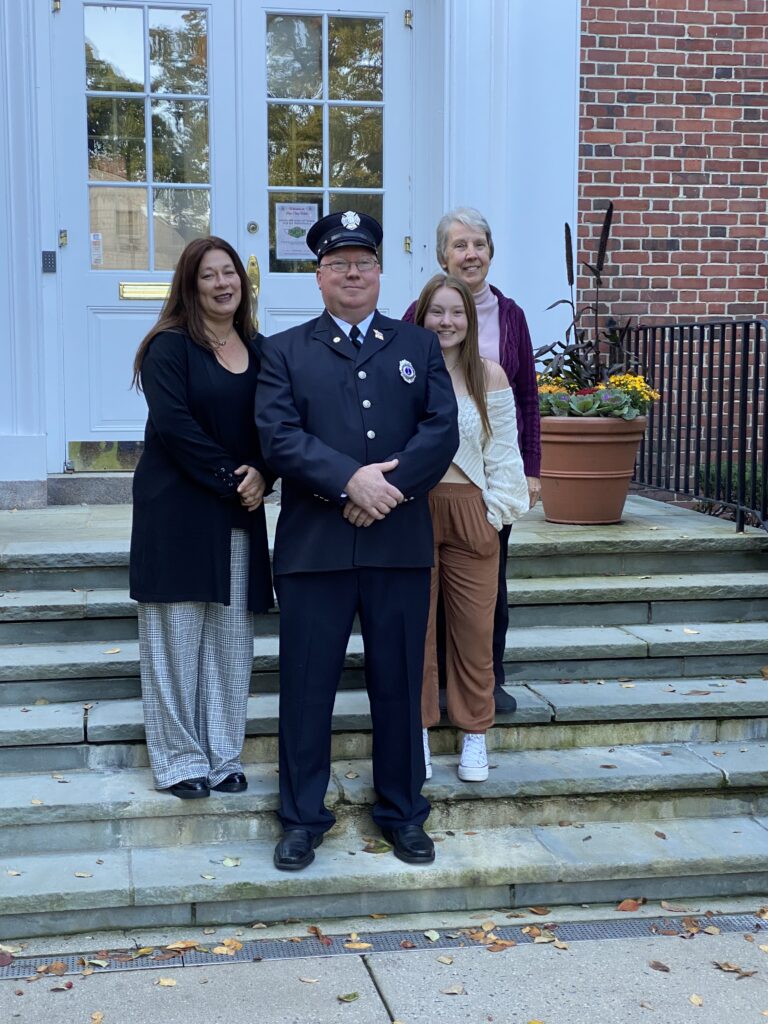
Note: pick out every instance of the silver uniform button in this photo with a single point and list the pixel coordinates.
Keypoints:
(336, 341)
(371, 434)
(362, 374)
(366, 404)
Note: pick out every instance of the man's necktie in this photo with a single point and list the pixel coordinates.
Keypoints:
(355, 337)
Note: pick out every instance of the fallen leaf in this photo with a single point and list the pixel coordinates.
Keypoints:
(351, 775)
(378, 917)
(166, 982)
(749, 938)
(5, 959)
(36, 802)
(358, 945)
(309, 981)
(314, 930)
(691, 925)
(696, 1000)
(97, 1017)
(407, 944)
(712, 930)
(660, 835)
(231, 862)
(764, 671)
(83, 874)
(58, 967)
(657, 965)
(697, 693)
(454, 990)
(627, 686)
(445, 960)
(144, 951)
(13, 874)
(725, 966)
(470, 833)
(488, 926)
(112, 650)
(631, 904)
(540, 911)
(208, 877)
(646, 1006)
(63, 986)
(763, 949)
(348, 997)
(608, 766)
(256, 924)
(377, 846)
(432, 935)
(183, 944)
(691, 632)
(673, 907)
(559, 944)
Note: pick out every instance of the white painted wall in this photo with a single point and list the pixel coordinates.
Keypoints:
(508, 117)
(22, 420)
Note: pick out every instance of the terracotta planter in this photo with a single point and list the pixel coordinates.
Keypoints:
(586, 465)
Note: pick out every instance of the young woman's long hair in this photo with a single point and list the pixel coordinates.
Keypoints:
(181, 311)
(469, 350)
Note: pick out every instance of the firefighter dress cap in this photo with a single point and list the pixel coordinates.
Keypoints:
(344, 229)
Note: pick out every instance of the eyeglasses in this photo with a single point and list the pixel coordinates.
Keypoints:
(343, 266)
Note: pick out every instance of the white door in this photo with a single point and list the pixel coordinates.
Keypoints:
(179, 119)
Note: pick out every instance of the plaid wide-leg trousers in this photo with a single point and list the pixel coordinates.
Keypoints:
(196, 661)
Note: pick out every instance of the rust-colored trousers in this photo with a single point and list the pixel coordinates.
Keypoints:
(466, 571)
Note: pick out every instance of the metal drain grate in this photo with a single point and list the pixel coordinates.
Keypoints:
(380, 942)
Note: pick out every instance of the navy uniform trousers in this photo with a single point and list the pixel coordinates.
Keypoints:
(316, 614)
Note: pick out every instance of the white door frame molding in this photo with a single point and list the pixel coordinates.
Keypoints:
(23, 288)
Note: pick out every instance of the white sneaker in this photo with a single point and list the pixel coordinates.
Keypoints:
(427, 754)
(473, 766)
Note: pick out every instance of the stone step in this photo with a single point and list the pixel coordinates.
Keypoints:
(110, 734)
(86, 810)
(86, 547)
(511, 866)
(51, 616)
(97, 670)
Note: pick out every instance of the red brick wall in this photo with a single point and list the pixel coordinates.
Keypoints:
(674, 129)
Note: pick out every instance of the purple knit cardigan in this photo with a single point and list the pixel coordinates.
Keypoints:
(519, 365)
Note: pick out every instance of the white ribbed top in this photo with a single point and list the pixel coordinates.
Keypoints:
(493, 463)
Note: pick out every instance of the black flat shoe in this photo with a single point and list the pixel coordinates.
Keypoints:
(504, 701)
(296, 849)
(410, 844)
(234, 783)
(190, 789)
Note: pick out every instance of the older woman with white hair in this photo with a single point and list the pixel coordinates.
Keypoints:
(465, 250)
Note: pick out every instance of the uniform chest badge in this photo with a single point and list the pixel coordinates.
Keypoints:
(378, 335)
(407, 371)
(350, 220)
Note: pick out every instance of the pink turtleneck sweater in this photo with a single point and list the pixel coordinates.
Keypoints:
(488, 323)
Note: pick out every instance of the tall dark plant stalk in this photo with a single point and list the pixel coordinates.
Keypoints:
(580, 359)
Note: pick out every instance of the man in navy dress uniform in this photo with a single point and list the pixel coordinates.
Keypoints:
(356, 413)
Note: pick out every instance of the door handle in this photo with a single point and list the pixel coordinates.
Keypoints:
(254, 276)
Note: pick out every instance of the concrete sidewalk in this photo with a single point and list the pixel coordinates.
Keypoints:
(588, 981)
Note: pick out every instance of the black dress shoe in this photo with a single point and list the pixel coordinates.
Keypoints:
(296, 849)
(234, 783)
(190, 789)
(504, 701)
(411, 844)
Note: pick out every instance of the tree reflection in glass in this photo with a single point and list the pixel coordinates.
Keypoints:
(295, 133)
(355, 58)
(356, 156)
(180, 214)
(294, 57)
(116, 143)
(180, 140)
(178, 51)
(114, 48)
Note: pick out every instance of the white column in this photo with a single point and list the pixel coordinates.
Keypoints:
(510, 138)
(22, 410)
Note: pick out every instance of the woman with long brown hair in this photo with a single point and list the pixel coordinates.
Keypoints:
(199, 563)
(484, 489)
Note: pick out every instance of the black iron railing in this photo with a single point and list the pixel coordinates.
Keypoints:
(706, 435)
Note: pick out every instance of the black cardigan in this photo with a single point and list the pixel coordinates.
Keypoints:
(184, 484)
